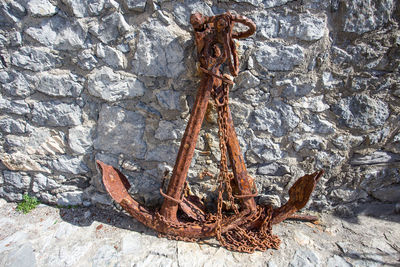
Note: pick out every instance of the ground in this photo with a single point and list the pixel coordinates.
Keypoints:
(92, 236)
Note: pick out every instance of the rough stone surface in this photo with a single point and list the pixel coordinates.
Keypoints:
(35, 59)
(80, 138)
(365, 16)
(70, 236)
(318, 88)
(59, 84)
(362, 112)
(136, 5)
(277, 57)
(56, 113)
(110, 27)
(19, 107)
(112, 86)
(41, 8)
(277, 118)
(17, 84)
(59, 33)
(120, 131)
(159, 52)
(69, 164)
(9, 125)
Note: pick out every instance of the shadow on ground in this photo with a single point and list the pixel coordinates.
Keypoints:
(378, 210)
(85, 216)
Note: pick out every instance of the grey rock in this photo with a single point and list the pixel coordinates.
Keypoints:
(15, 39)
(161, 16)
(11, 12)
(366, 16)
(267, 24)
(240, 111)
(41, 8)
(19, 161)
(19, 107)
(376, 178)
(96, 7)
(80, 138)
(163, 153)
(378, 136)
(159, 52)
(78, 8)
(69, 164)
(313, 103)
(376, 157)
(270, 200)
(107, 159)
(169, 99)
(325, 160)
(310, 142)
(110, 27)
(35, 59)
(17, 83)
(388, 194)
(22, 256)
(40, 141)
(39, 183)
(305, 258)
(344, 142)
(296, 87)
(59, 33)
(329, 82)
(252, 2)
(337, 261)
(183, 11)
(246, 80)
(274, 3)
(315, 124)
(120, 131)
(70, 198)
(86, 60)
(273, 169)
(18, 180)
(306, 27)
(278, 118)
(14, 126)
(113, 86)
(136, 5)
(56, 113)
(265, 150)
(340, 56)
(59, 84)
(114, 58)
(361, 112)
(277, 57)
(168, 131)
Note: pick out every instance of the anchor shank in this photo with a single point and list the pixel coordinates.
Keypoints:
(243, 180)
(188, 143)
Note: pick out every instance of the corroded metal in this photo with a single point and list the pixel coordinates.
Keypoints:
(247, 228)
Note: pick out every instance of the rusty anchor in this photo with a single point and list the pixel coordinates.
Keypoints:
(246, 227)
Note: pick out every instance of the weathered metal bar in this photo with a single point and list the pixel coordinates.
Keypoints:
(186, 150)
(243, 180)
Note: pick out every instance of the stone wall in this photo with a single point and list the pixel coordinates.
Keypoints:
(319, 88)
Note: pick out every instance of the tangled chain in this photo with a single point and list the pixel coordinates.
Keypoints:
(240, 238)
